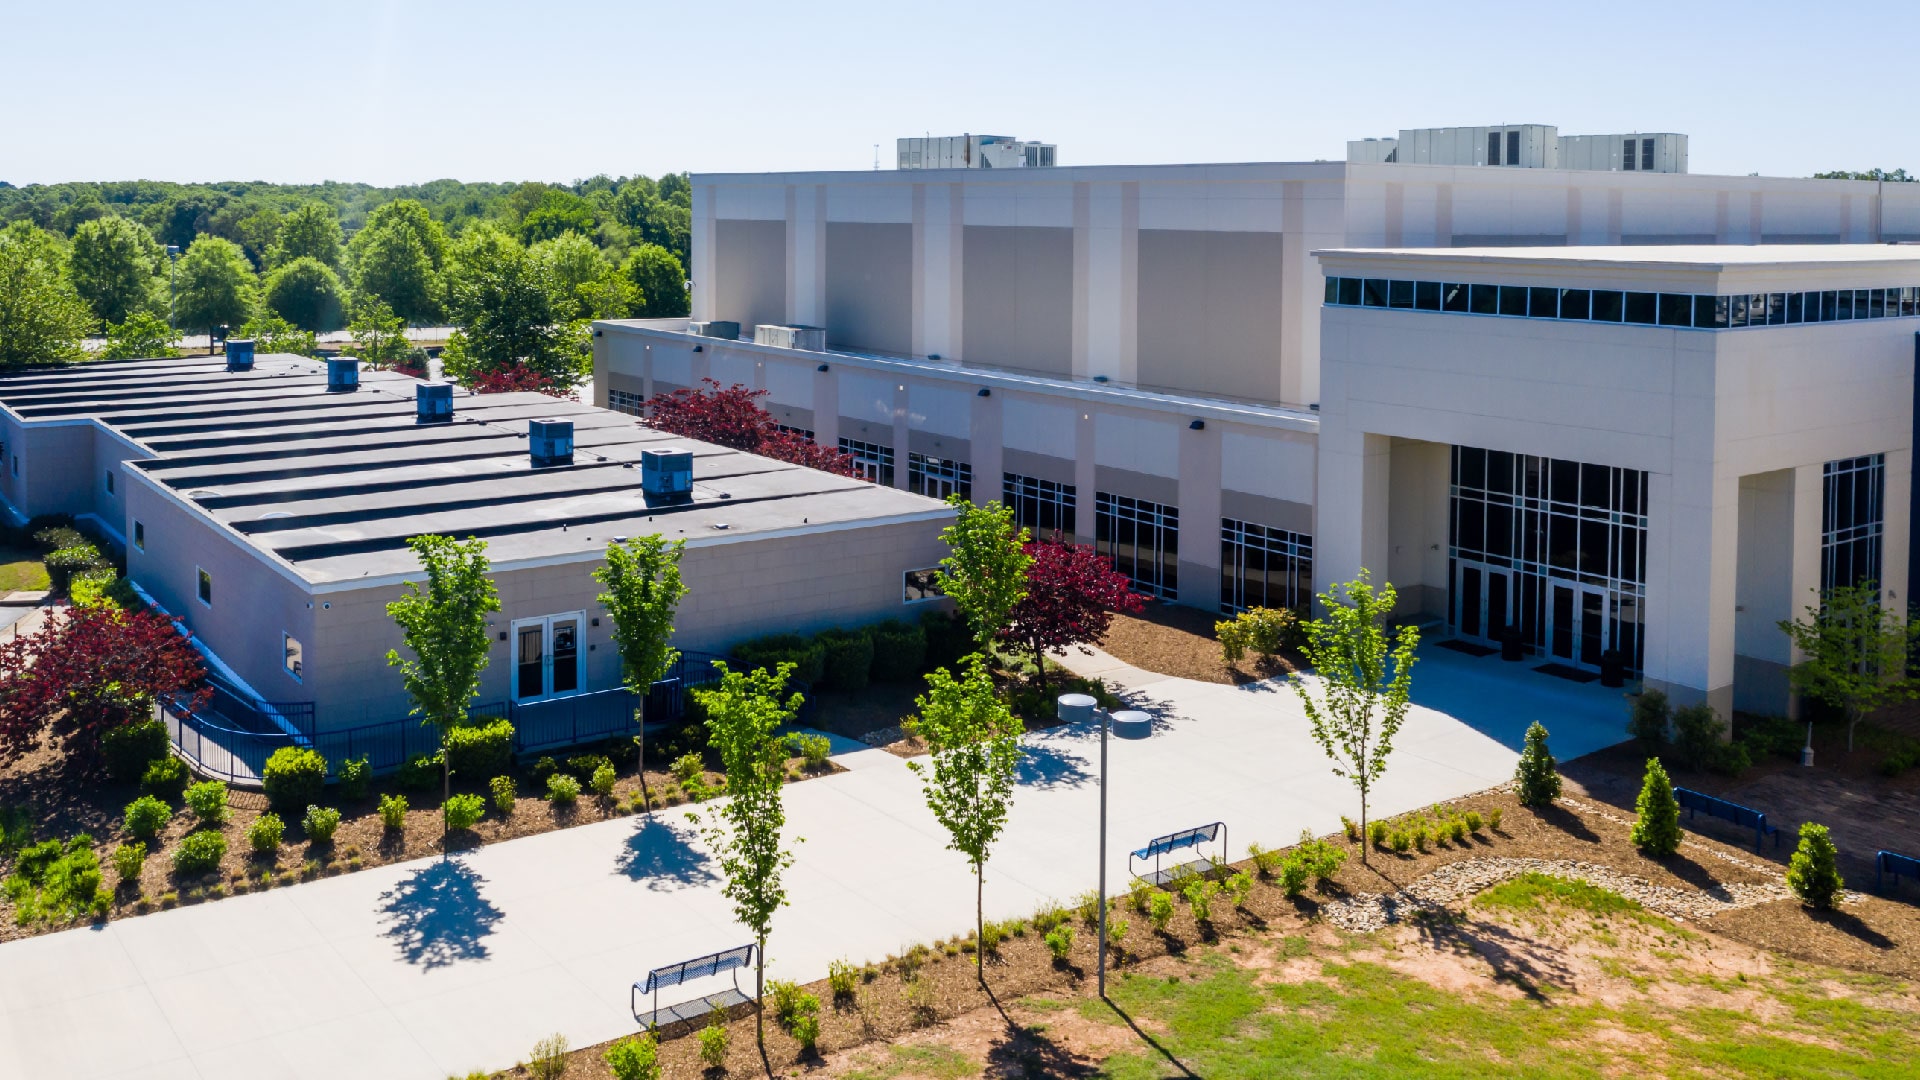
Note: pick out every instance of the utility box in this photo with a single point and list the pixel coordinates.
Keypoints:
(810, 338)
(716, 328)
(239, 354)
(343, 374)
(666, 474)
(433, 403)
(550, 443)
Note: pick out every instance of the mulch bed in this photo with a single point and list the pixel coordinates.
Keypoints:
(1173, 640)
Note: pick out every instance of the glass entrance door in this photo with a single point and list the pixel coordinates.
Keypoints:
(1483, 601)
(546, 656)
(1578, 627)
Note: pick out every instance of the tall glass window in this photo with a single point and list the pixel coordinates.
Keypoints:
(626, 401)
(873, 460)
(937, 478)
(1264, 567)
(1142, 539)
(1851, 520)
(1042, 507)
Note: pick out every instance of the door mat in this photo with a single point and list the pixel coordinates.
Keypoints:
(1467, 647)
(1572, 674)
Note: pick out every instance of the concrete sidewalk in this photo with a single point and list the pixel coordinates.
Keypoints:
(439, 966)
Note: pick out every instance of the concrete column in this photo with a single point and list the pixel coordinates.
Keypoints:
(917, 344)
(1199, 502)
(826, 407)
(807, 254)
(1300, 347)
(703, 271)
(1692, 553)
(1803, 586)
(1082, 274)
(900, 435)
(1112, 280)
(1376, 499)
(1896, 531)
(984, 435)
(1084, 477)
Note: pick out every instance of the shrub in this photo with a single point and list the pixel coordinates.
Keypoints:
(1539, 783)
(52, 880)
(791, 1005)
(1401, 841)
(1232, 636)
(463, 811)
(1814, 873)
(688, 768)
(1421, 834)
(130, 748)
(849, 659)
(1258, 630)
(1648, 721)
(1160, 910)
(208, 801)
(546, 766)
(505, 793)
(1322, 860)
(1240, 888)
(199, 853)
(146, 816)
(714, 1039)
(294, 776)
(1493, 818)
(842, 979)
(1377, 833)
(393, 811)
(806, 1032)
(948, 639)
(549, 1058)
(63, 563)
(582, 766)
(1049, 915)
(265, 834)
(1200, 892)
(1457, 829)
(813, 749)
(165, 779)
(1265, 860)
(128, 861)
(602, 782)
(899, 651)
(562, 790)
(1474, 821)
(1697, 732)
(808, 656)
(421, 772)
(1293, 875)
(1656, 828)
(1352, 827)
(634, 1058)
(320, 824)
(356, 775)
(1060, 942)
(480, 749)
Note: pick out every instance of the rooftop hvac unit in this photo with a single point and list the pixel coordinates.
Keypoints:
(666, 474)
(719, 328)
(810, 338)
(343, 375)
(239, 354)
(433, 403)
(550, 443)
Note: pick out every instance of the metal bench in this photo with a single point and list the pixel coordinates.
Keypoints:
(1742, 816)
(1895, 864)
(1158, 848)
(687, 971)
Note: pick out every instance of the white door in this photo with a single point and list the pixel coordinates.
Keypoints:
(547, 656)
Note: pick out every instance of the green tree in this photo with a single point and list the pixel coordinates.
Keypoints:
(660, 279)
(379, 336)
(144, 336)
(213, 286)
(1856, 652)
(311, 230)
(115, 266)
(642, 579)
(398, 257)
(445, 627)
(307, 294)
(504, 302)
(1536, 775)
(1814, 871)
(556, 214)
(1364, 681)
(1656, 823)
(273, 334)
(42, 318)
(575, 270)
(969, 782)
(985, 570)
(743, 712)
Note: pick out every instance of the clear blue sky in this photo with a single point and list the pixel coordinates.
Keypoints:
(393, 92)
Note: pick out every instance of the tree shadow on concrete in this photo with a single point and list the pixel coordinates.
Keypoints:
(661, 854)
(436, 916)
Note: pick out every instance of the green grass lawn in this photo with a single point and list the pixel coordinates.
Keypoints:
(21, 570)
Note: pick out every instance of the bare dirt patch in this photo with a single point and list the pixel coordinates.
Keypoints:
(1174, 640)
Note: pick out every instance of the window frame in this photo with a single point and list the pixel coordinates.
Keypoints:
(140, 534)
(203, 586)
(297, 654)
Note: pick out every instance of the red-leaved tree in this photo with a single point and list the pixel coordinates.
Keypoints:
(87, 671)
(518, 379)
(1072, 595)
(731, 416)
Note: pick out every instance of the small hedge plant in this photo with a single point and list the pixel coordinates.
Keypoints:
(634, 1058)
(1814, 872)
(356, 776)
(1538, 781)
(1656, 826)
(899, 651)
(165, 779)
(849, 660)
(1262, 631)
(480, 749)
(393, 811)
(463, 811)
(130, 748)
(128, 861)
(421, 772)
(265, 834)
(320, 824)
(200, 853)
(294, 776)
(55, 881)
(812, 749)
(505, 792)
(208, 801)
(562, 789)
(146, 816)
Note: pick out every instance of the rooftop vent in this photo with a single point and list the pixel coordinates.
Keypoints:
(433, 403)
(239, 354)
(343, 375)
(719, 328)
(811, 338)
(550, 442)
(666, 474)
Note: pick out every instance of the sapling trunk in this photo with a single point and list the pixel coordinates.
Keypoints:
(640, 746)
(980, 923)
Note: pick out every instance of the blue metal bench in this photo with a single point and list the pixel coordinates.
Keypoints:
(1160, 847)
(1742, 816)
(1893, 863)
(684, 972)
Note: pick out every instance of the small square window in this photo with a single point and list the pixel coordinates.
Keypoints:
(1641, 307)
(1544, 303)
(1350, 292)
(1400, 294)
(1576, 304)
(1453, 297)
(1776, 309)
(1426, 295)
(1676, 309)
(205, 586)
(1708, 313)
(293, 657)
(140, 535)
(1606, 305)
(1513, 300)
(1796, 306)
(1333, 290)
(1373, 293)
(1485, 299)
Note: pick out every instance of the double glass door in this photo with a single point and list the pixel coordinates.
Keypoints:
(1579, 628)
(547, 656)
(1483, 599)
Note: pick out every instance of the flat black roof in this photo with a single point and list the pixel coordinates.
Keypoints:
(333, 484)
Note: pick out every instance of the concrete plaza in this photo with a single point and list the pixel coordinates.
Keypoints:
(420, 970)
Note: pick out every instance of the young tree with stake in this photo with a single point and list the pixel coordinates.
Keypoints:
(642, 579)
(985, 571)
(743, 712)
(1360, 705)
(445, 627)
(975, 741)
(1856, 653)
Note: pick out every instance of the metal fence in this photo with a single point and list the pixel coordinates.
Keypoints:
(231, 735)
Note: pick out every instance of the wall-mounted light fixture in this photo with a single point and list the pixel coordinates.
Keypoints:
(984, 392)
(699, 348)
(822, 367)
(1197, 425)
(596, 333)
(1099, 378)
